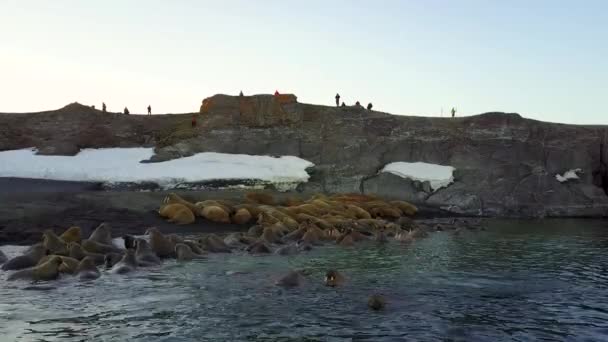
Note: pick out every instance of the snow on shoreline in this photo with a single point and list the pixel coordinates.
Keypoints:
(122, 165)
(437, 175)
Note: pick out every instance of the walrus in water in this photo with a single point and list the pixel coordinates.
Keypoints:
(234, 240)
(346, 240)
(291, 279)
(212, 243)
(87, 270)
(160, 244)
(185, 253)
(68, 265)
(376, 302)
(99, 248)
(127, 264)
(194, 246)
(144, 255)
(46, 271)
(255, 230)
(333, 278)
(102, 234)
(3, 258)
(72, 234)
(29, 259)
(295, 235)
(287, 250)
(78, 253)
(53, 243)
(111, 259)
(380, 236)
(258, 247)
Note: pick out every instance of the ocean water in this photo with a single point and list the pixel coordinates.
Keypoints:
(517, 280)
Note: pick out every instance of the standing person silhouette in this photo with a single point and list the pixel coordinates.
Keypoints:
(103, 107)
(453, 112)
(149, 110)
(126, 111)
(337, 100)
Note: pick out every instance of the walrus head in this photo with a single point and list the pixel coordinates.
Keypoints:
(333, 278)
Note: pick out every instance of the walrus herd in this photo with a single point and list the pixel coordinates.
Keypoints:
(290, 228)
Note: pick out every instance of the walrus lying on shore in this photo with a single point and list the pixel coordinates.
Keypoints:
(53, 243)
(46, 271)
(102, 234)
(72, 234)
(29, 259)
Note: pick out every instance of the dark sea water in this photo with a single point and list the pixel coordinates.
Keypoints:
(518, 280)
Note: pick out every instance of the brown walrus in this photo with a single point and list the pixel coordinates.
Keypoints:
(72, 234)
(185, 253)
(291, 279)
(333, 278)
(127, 264)
(78, 253)
(258, 247)
(68, 265)
(29, 259)
(102, 234)
(46, 271)
(376, 302)
(144, 255)
(212, 243)
(194, 246)
(160, 244)
(99, 248)
(53, 243)
(87, 270)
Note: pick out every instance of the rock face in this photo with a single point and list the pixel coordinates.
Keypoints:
(505, 164)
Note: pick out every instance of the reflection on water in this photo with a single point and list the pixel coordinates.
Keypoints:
(516, 281)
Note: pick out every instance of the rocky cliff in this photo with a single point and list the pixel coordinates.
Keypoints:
(505, 164)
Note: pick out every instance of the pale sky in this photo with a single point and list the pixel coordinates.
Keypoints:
(544, 59)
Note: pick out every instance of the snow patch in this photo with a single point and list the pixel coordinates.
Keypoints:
(568, 175)
(123, 165)
(438, 176)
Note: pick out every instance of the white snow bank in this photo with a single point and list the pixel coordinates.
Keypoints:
(122, 165)
(437, 175)
(568, 175)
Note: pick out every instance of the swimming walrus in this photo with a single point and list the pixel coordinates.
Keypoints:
(87, 270)
(29, 259)
(160, 244)
(78, 253)
(183, 252)
(127, 264)
(53, 243)
(212, 243)
(194, 246)
(333, 278)
(376, 302)
(72, 234)
(110, 259)
(258, 247)
(46, 271)
(99, 248)
(291, 279)
(102, 234)
(144, 255)
(287, 250)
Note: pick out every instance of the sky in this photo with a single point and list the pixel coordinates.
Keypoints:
(546, 60)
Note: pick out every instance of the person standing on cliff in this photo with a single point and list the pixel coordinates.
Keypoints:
(337, 100)
(276, 93)
(453, 112)
(149, 110)
(241, 94)
(103, 107)
(126, 111)
(369, 106)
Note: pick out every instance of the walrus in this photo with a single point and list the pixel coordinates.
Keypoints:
(76, 252)
(241, 216)
(291, 279)
(175, 198)
(127, 264)
(99, 248)
(287, 250)
(215, 214)
(260, 198)
(144, 255)
(3, 258)
(270, 236)
(53, 243)
(102, 234)
(358, 212)
(376, 302)
(177, 213)
(111, 259)
(380, 236)
(160, 244)
(407, 208)
(87, 270)
(29, 259)
(129, 241)
(333, 278)
(258, 248)
(255, 230)
(212, 243)
(295, 235)
(390, 212)
(72, 234)
(346, 240)
(174, 238)
(194, 246)
(234, 240)
(404, 237)
(184, 253)
(207, 203)
(68, 265)
(46, 271)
